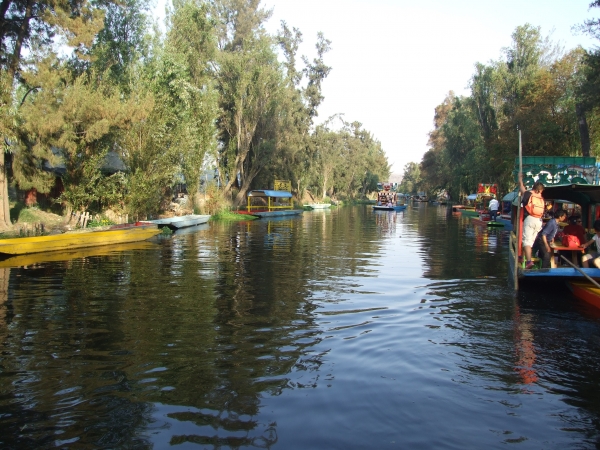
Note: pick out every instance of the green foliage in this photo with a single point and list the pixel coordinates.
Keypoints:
(533, 87)
(230, 216)
(100, 222)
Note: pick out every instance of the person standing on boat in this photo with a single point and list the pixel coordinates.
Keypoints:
(493, 207)
(534, 206)
(546, 237)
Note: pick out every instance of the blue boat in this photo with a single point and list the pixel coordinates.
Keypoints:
(389, 208)
(270, 203)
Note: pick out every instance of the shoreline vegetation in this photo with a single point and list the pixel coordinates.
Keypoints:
(118, 118)
(550, 94)
(121, 116)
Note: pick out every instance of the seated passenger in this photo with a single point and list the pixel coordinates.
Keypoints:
(575, 229)
(546, 237)
(593, 256)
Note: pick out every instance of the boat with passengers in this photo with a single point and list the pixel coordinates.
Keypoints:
(389, 200)
(569, 183)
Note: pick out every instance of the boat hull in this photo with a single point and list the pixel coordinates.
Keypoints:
(283, 212)
(585, 291)
(175, 223)
(67, 255)
(548, 275)
(319, 205)
(69, 241)
(389, 208)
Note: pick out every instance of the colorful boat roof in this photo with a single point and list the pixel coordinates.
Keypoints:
(270, 193)
(582, 194)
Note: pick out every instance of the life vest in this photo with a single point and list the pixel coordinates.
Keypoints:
(535, 207)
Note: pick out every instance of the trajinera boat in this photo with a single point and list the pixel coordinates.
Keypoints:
(567, 180)
(270, 203)
(117, 234)
(388, 200)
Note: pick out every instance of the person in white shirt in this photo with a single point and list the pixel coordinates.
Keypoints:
(593, 256)
(493, 208)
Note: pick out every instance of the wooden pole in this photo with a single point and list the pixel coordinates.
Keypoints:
(518, 222)
(581, 271)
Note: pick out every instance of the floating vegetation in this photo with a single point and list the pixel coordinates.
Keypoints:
(231, 216)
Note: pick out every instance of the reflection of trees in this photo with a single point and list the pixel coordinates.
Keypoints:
(455, 247)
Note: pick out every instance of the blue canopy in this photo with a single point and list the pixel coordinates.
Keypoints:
(472, 197)
(268, 193)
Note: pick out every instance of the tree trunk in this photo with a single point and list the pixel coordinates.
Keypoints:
(241, 195)
(584, 132)
(4, 206)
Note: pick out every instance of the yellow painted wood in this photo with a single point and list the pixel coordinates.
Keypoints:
(67, 255)
(68, 241)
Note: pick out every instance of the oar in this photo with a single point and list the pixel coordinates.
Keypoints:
(581, 271)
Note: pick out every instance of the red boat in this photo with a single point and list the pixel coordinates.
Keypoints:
(586, 291)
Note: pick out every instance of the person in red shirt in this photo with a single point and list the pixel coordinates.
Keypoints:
(575, 229)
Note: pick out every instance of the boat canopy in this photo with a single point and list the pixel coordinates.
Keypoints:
(582, 194)
(270, 193)
(510, 196)
(472, 197)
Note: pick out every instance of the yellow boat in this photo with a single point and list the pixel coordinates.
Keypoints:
(67, 255)
(117, 234)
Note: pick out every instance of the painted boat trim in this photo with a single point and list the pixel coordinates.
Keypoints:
(68, 241)
(585, 291)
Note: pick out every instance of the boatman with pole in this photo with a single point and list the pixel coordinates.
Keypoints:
(534, 205)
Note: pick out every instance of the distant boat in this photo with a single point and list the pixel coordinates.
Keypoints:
(389, 208)
(118, 234)
(177, 222)
(319, 205)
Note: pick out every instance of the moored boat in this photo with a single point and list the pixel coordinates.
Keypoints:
(270, 203)
(67, 255)
(585, 291)
(319, 205)
(118, 234)
(178, 222)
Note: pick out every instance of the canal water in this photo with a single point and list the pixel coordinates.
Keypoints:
(337, 329)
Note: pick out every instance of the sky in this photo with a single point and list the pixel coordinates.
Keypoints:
(394, 61)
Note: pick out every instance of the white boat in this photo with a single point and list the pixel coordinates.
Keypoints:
(177, 222)
(319, 205)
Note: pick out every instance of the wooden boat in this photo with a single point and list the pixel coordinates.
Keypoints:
(389, 208)
(118, 234)
(585, 195)
(319, 205)
(585, 291)
(271, 203)
(178, 222)
(67, 255)
(495, 224)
